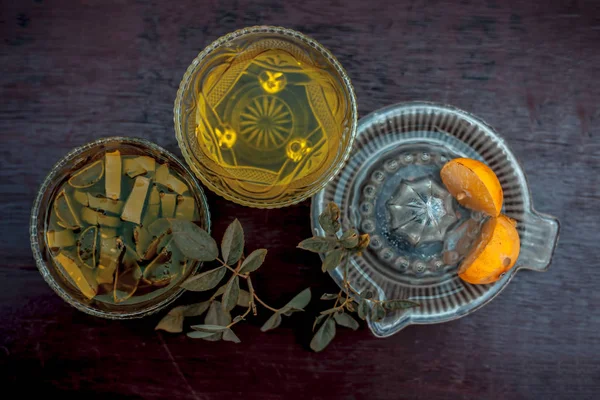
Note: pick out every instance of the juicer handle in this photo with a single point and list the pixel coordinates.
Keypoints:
(539, 236)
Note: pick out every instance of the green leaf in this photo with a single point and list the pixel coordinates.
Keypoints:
(363, 309)
(318, 320)
(253, 261)
(332, 260)
(202, 335)
(229, 336)
(173, 321)
(349, 238)
(344, 319)
(204, 281)
(193, 241)
(300, 301)
(217, 316)
(329, 219)
(195, 310)
(324, 336)
(232, 245)
(272, 322)
(367, 294)
(208, 328)
(378, 312)
(399, 304)
(232, 292)
(237, 318)
(220, 291)
(244, 298)
(318, 244)
(330, 311)
(329, 296)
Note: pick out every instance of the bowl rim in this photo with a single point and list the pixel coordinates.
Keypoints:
(267, 29)
(42, 265)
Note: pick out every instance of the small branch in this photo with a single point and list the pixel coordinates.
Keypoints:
(265, 304)
(235, 271)
(251, 290)
(243, 316)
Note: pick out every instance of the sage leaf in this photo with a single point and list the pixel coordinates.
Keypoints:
(349, 239)
(318, 244)
(216, 316)
(378, 313)
(330, 311)
(204, 281)
(232, 245)
(332, 260)
(273, 322)
(173, 321)
(367, 294)
(244, 298)
(229, 336)
(363, 309)
(299, 301)
(195, 310)
(209, 328)
(329, 219)
(220, 291)
(232, 292)
(329, 296)
(346, 320)
(253, 261)
(399, 304)
(324, 336)
(201, 335)
(193, 241)
(318, 320)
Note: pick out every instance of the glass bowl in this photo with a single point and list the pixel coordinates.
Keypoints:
(265, 116)
(40, 216)
(391, 189)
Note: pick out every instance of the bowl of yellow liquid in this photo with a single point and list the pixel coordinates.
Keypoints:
(265, 116)
(100, 227)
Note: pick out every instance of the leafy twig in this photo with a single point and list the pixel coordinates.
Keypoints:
(197, 244)
(335, 249)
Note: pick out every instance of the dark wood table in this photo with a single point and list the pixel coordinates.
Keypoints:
(76, 71)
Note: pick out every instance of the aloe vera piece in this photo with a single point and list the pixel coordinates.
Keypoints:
(165, 178)
(60, 239)
(81, 197)
(138, 165)
(89, 216)
(105, 204)
(142, 240)
(110, 258)
(64, 211)
(127, 279)
(108, 221)
(112, 181)
(87, 176)
(132, 211)
(85, 283)
(106, 233)
(168, 202)
(186, 208)
(153, 208)
(87, 247)
(157, 272)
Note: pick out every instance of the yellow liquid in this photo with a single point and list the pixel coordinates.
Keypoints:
(270, 117)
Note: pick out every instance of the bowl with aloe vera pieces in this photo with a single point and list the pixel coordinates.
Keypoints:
(103, 224)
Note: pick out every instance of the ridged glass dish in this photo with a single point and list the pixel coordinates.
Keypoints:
(391, 189)
(40, 216)
(265, 116)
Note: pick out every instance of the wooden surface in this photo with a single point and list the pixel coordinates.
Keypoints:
(76, 71)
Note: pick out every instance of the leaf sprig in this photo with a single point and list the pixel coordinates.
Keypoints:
(338, 250)
(197, 244)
